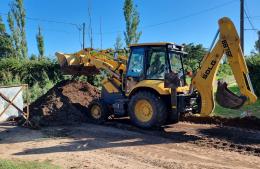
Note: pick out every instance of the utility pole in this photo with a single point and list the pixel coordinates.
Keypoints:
(101, 39)
(90, 25)
(242, 24)
(84, 28)
(258, 42)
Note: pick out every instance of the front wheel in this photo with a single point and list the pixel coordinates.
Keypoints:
(97, 112)
(147, 110)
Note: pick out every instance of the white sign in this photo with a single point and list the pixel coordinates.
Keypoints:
(15, 95)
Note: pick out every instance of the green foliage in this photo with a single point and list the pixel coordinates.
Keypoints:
(118, 45)
(257, 43)
(33, 57)
(15, 37)
(132, 22)
(6, 48)
(196, 53)
(224, 70)
(16, 20)
(2, 25)
(253, 64)
(18, 164)
(9, 79)
(40, 43)
(93, 80)
(194, 56)
(39, 75)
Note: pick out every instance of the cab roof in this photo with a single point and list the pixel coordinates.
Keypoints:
(152, 44)
(170, 45)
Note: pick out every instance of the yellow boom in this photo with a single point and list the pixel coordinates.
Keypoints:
(90, 62)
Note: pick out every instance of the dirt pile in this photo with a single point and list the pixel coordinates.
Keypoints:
(64, 104)
(250, 122)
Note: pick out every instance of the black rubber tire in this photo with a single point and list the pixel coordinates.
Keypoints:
(159, 110)
(104, 112)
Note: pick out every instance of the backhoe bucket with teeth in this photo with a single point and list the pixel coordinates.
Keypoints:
(227, 98)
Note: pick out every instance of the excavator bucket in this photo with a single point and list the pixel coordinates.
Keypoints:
(228, 99)
(75, 65)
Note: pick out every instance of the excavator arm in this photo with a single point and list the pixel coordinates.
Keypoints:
(89, 62)
(227, 44)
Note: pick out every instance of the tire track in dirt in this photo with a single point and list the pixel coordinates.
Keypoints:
(204, 140)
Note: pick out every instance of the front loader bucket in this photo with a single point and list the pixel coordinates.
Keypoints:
(75, 65)
(78, 70)
(227, 99)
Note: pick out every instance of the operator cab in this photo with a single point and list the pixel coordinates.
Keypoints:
(153, 61)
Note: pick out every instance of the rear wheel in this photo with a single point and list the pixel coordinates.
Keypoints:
(147, 110)
(97, 112)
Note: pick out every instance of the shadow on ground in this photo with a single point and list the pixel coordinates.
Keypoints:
(119, 133)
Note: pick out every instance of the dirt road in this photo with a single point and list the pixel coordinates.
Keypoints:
(182, 145)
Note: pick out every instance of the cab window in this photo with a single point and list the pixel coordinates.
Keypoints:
(135, 68)
(175, 61)
(156, 67)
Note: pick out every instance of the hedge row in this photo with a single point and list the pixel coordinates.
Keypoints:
(29, 71)
(253, 64)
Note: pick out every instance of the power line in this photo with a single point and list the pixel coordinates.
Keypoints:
(250, 22)
(77, 26)
(55, 30)
(192, 14)
(247, 29)
(248, 18)
(142, 28)
(179, 18)
(254, 17)
(49, 21)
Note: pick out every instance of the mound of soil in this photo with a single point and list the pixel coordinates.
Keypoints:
(250, 122)
(64, 104)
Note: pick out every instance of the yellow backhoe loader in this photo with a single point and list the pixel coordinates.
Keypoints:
(150, 85)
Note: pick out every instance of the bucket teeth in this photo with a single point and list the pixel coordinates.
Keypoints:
(228, 99)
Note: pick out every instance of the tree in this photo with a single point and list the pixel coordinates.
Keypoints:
(33, 57)
(40, 43)
(6, 48)
(15, 36)
(257, 43)
(118, 45)
(2, 25)
(16, 20)
(132, 21)
(194, 56)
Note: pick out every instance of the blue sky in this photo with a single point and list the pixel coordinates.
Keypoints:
(189, 21)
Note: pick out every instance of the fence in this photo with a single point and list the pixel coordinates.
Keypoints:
(12, 104)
